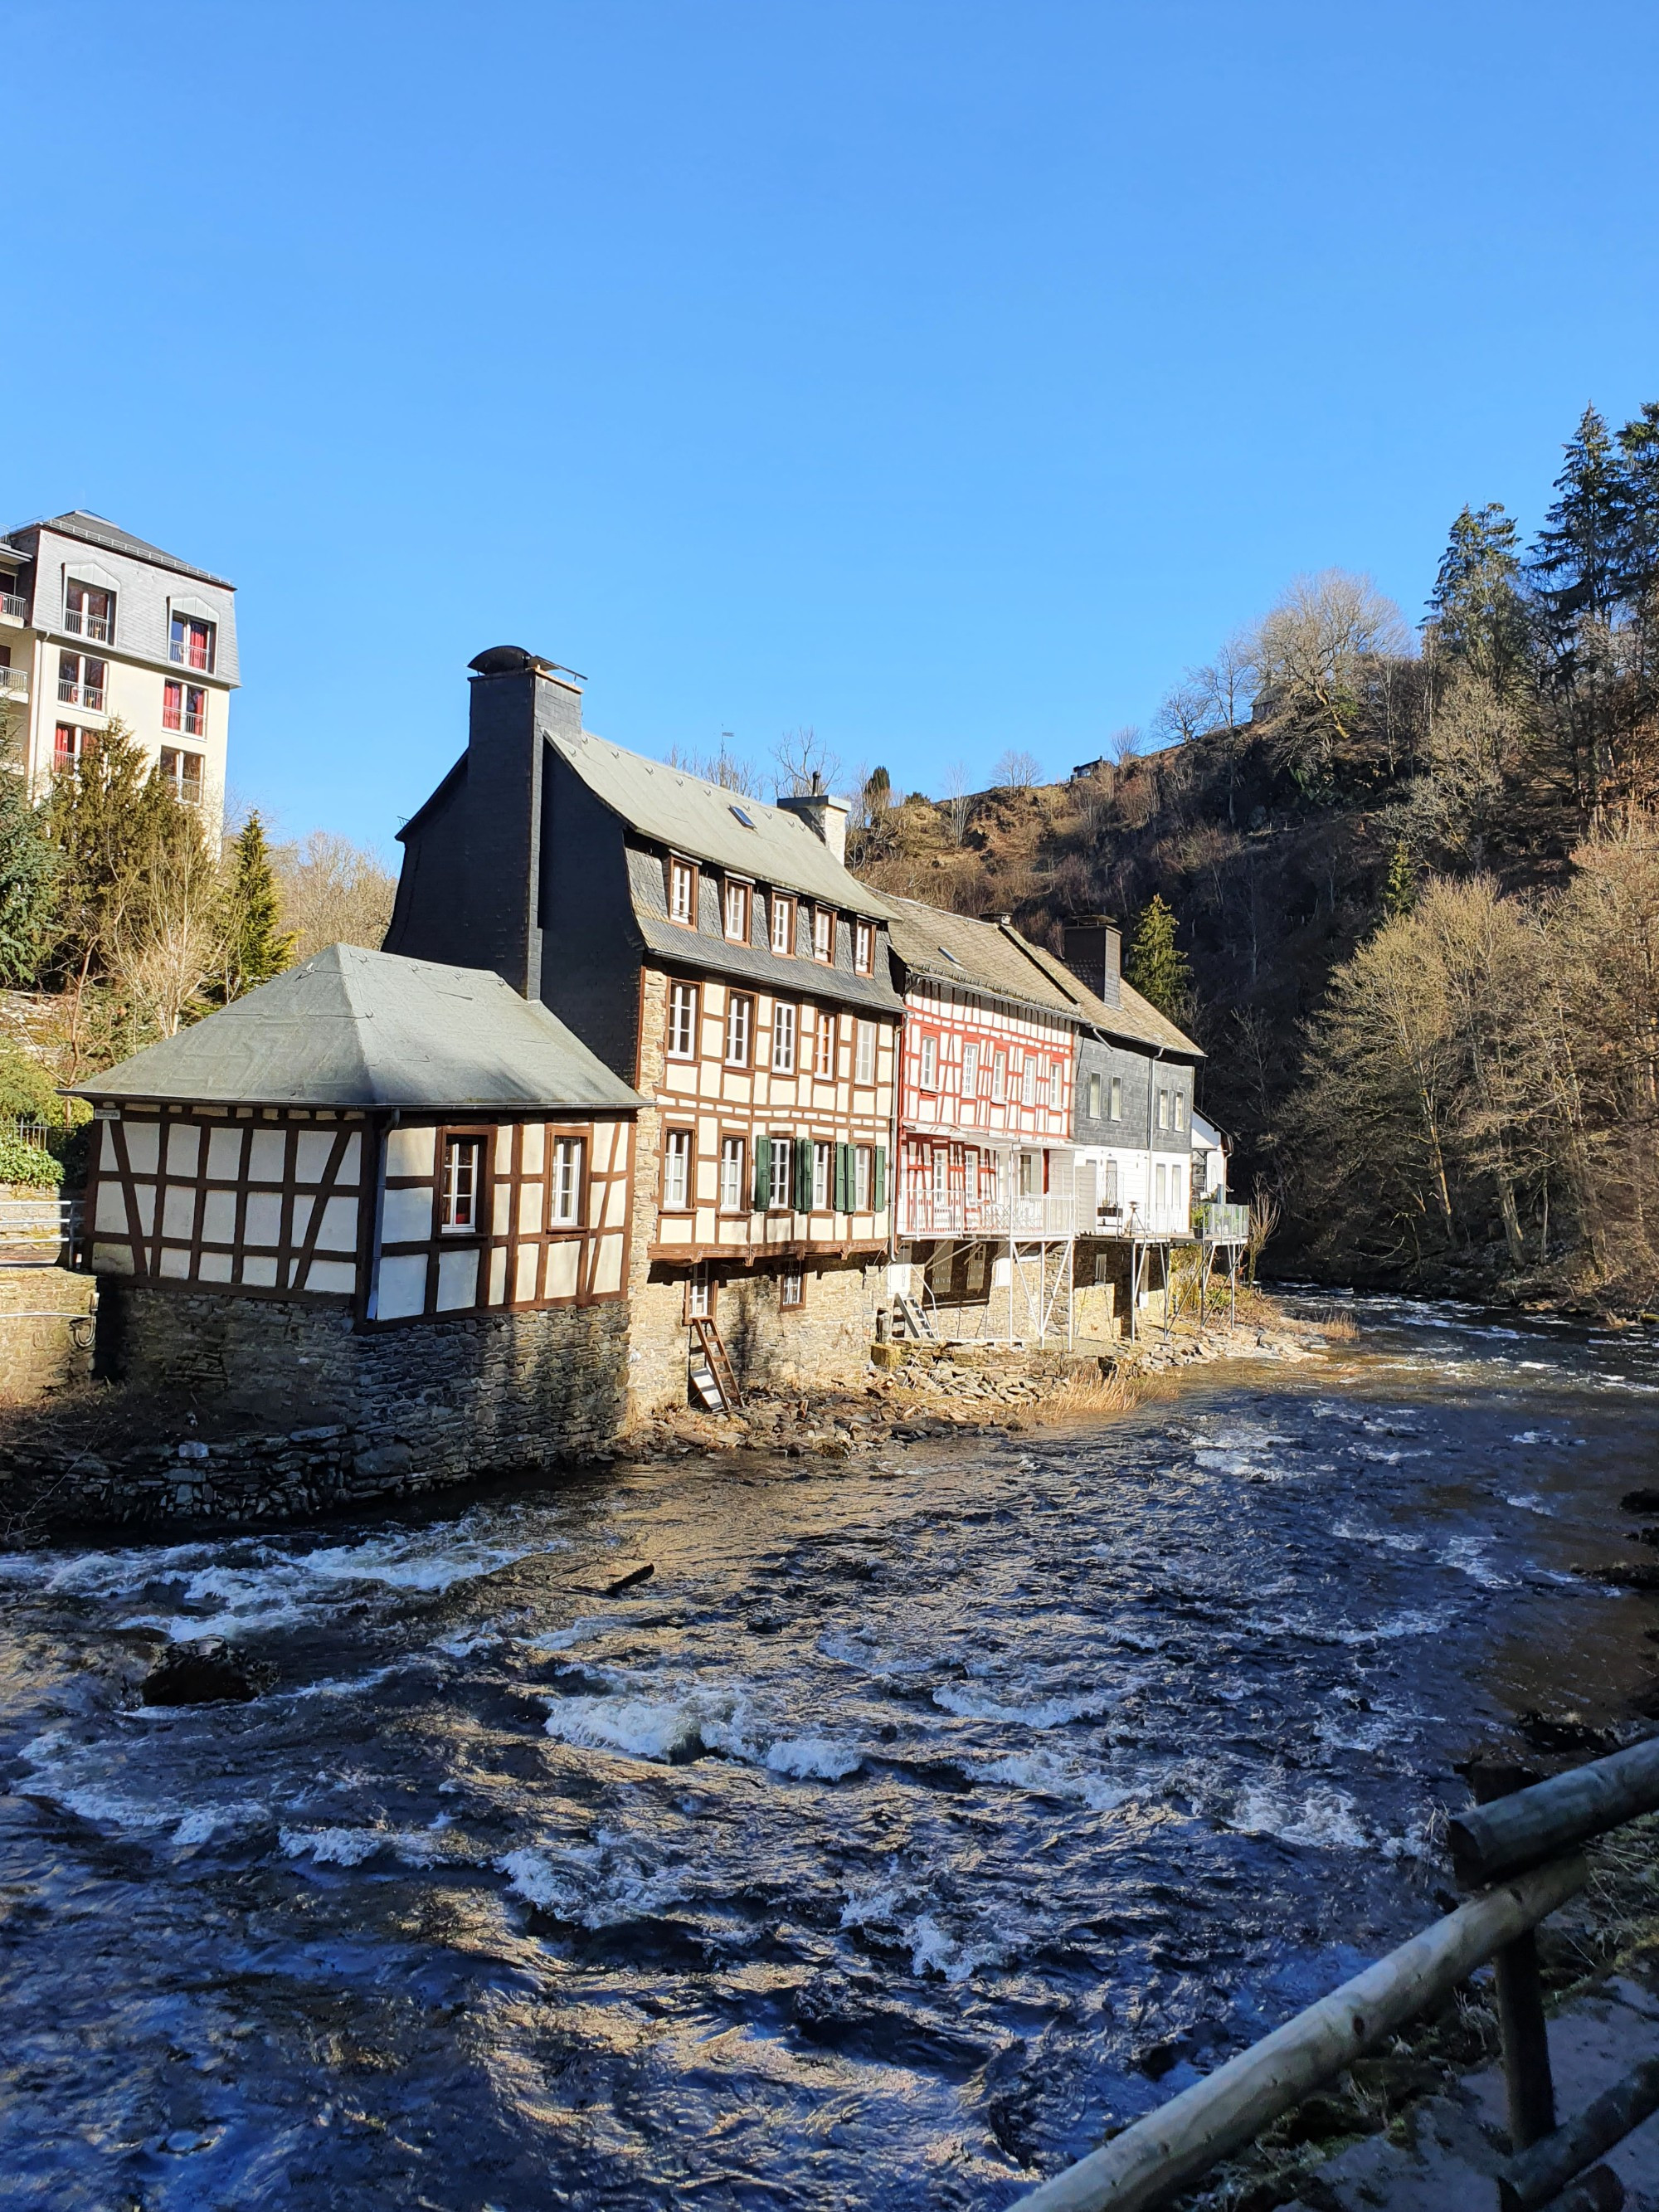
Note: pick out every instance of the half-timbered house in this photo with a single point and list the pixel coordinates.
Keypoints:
(717, 955)
(377, 1190)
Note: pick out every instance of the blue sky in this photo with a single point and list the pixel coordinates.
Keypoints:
(944, 377)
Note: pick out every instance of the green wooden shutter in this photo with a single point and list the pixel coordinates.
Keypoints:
(878, 1179)
(762, 1174)
(802, 1192)
(843, 1178)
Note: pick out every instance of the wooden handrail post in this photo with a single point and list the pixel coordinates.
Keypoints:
(1529, 2087)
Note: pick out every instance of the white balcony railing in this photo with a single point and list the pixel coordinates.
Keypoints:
(81, 695)
(12, 604)
(79, 625)
(923, 1214)
(14, 683)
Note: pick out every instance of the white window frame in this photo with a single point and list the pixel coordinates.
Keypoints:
(780, 1168)
(79, 623)
(784, 1026)
(927, 1060)
(176, 654)
(1056, 1085)
(823, 1170)
(682, 1021)
(1030, 1174)
(999, 1077)
(791, 1288)
(739, 1029)
(941, 1172)
(1163, 1109)
(677, 1170)
(864, 947)
(681, 893)
(861, 1160)
(783, 926)
(735, 908)
(1027, 1080)
(971, 1068)
(733, 1160)
(1180, 1106)
(1115, 1100)
(564, 1183)
(458, 1210)
(824, 1044)
(824, 935)
(864, 1060)
(1094, 1098)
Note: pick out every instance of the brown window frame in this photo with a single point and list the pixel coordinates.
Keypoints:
(463, 1133)
(675, 865)
(795, 1269)
(688, 1204)
(745, 890)
(734, 998)
(740, 1138)
(781, 903)
(682, 1059)
(864, 933)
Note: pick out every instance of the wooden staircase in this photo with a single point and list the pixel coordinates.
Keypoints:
(712, 1377)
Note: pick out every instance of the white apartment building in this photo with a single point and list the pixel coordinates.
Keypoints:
(97, 626)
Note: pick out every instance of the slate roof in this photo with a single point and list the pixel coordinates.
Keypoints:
(704, 948)
(349, 1028)
(95, 529)
(994, 957)
(672, 807)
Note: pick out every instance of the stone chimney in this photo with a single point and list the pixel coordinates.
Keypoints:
(517, 702)
(1094, 953)
(826, 817)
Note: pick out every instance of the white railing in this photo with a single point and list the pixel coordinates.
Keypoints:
(96, 627)
(922, 1215)
(187, 725)
(14, 604)
(81, 695)
(34, 1223)
(14, 683)
(179, 659)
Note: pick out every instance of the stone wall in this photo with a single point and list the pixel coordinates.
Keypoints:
(822, 1344)
(320, 1414)
(46, 1331)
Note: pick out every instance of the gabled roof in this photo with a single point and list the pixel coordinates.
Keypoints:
(349, 1028)
(706, 821)
(994, 957)
(95, 529)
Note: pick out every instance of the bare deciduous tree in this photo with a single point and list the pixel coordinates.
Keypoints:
(804, 762)
(1124, 744)
(1016, 771)
(333, 892)
(723, 766)
(957, 805)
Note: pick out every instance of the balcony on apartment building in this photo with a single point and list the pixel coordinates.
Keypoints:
(14, 683)
(14, 606)
(924, 1213)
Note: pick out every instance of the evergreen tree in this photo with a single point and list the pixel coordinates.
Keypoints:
(1579, 558)
(1638, 442)
(1157, 967)
(1400, 892)
(256, 949)
(1479, 613)
(28, 884)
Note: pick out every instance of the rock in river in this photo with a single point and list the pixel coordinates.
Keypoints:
(205, 1673)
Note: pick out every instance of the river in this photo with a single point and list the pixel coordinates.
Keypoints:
(917, 1817)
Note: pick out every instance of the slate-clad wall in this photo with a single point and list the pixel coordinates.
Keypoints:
(1140, 1072)
(590, 974)
(395, 1411)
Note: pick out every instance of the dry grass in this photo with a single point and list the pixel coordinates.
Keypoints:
(1088, 1397)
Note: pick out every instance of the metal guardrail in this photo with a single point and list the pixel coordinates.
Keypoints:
(1222, 1223)
(14, 683)
(1527, 1845)
(39, 1221)
(14, 604)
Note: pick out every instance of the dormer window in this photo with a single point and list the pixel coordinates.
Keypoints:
(192, 641)
(683, 893)
(864, 947)
(783, 924)
(736, 911)
(88, 612)
(824, 934)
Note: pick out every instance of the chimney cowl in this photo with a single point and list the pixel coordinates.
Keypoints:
(508, 661)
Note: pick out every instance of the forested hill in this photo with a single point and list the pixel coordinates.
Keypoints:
(1415, 875)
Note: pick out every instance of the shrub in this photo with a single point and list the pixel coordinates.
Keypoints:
(27, 1163)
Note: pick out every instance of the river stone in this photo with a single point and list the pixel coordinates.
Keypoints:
(207, 1671)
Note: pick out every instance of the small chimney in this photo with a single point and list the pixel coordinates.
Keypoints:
(1094, 953)
(826, 817)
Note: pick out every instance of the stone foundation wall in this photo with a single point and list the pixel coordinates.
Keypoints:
(823, 1345)
(46, 1331)
(322, 1415)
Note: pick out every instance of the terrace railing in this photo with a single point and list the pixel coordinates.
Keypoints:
(922, 1213)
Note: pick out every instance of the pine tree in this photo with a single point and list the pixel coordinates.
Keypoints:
(1638, 442)
(256, 949)
(1479, 614)
(28, 884)
(1400, 892)
(1580, 555)
(1157, 967)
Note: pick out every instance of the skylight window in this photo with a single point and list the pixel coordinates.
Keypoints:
(951, 957)
(747, 820)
